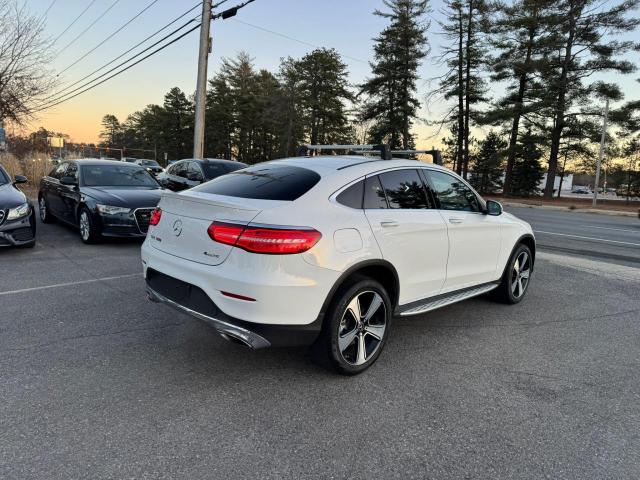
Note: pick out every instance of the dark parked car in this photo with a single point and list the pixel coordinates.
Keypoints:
(100, 197)
(191, 172)
(151, 166)
(17, 216)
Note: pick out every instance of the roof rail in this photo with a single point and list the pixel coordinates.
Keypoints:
(435, 154)
(385, 152)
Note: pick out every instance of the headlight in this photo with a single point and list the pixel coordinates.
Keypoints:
(111, 210)
(19, 212)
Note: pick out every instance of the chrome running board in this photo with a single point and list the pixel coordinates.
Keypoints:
(447, 299)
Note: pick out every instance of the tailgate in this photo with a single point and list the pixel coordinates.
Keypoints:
(182, 230)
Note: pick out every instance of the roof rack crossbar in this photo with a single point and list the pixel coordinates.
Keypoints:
(436, 154)
(385, 152)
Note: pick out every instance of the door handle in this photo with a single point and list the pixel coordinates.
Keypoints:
(455, 220)
(389, 224)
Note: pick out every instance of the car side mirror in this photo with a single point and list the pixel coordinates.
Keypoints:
(20, 179)
(69, 181)
(493, 208)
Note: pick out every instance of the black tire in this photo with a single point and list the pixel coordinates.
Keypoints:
(43, 210)
(342, 336)
(89, 231)
(513, 286)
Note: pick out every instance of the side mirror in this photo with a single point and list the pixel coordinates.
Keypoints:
(69, 181)
(20, 179)
(494, 208)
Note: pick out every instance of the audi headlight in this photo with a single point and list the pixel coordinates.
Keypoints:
(111, 210)
(19, 212)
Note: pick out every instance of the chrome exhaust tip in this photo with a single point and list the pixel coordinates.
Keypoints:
(230, 337)
(151, 297)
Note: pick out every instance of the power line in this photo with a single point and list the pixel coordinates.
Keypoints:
(49, 7)
(87, 29)
(74, 21)
(60, 99)
(295, 39)
(127, 51)
(110, 36)
(118, 73)
(58, 95)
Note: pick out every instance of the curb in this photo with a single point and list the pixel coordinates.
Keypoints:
(616, 213)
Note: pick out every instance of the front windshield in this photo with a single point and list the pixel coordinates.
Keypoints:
(150, 163)
(116, 176)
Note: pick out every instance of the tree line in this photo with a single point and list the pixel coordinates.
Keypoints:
(530, 73)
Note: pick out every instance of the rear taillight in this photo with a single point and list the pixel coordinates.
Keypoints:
(278, 241)
(155, 217)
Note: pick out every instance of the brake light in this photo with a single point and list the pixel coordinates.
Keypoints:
(155, 217)
(275, 241)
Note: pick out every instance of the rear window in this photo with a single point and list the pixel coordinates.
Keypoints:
(263, 182)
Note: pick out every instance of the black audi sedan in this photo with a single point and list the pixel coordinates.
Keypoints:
(17, 217)
(190, 172)
(103, 198)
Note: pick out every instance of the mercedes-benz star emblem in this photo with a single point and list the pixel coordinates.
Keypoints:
(177, 227)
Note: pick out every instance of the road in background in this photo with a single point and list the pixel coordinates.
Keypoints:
(609, 238)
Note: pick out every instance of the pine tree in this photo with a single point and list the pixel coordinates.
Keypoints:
(177, 123)
(521, 35)
(111, 133)
(324, 90)
(399, 50)
(487, 164)
(289, 108)
(219, 119)
(583, 40)
(240, 76)
(527, 171)
(464, 58)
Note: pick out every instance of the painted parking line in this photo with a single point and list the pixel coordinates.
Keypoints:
(588, 238)
(70, 284)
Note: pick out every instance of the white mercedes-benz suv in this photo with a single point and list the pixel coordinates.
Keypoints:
(327, 250)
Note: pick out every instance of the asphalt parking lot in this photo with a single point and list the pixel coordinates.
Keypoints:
(97, 382)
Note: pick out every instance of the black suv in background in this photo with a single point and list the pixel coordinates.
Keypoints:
(100, 197)
(17, 217)
(191, 172)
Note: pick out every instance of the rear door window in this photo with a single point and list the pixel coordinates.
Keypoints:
(214, 170)
(404, 189)
(194, 173)
(180, 170)
(264, 182)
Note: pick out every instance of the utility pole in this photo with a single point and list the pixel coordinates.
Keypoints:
(603, 142)
(201, 85)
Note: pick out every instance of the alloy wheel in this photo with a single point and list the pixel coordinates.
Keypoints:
(362, 327)
(520, 274)
(85, 228)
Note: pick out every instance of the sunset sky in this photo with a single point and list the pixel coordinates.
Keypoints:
(347, 26)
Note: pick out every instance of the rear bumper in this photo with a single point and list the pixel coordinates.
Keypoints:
(286, 290)
(225, 328)
(193, 301)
